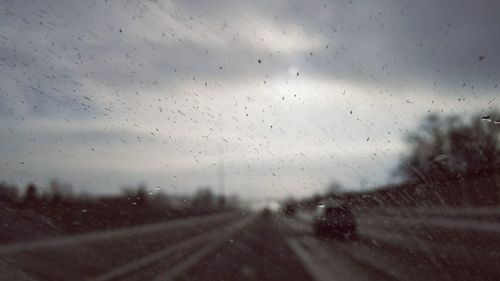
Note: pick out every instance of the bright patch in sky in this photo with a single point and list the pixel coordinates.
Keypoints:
(289, 96)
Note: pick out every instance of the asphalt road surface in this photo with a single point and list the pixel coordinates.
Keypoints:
(240, 246)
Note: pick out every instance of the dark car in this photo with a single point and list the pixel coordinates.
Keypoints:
(335, 221)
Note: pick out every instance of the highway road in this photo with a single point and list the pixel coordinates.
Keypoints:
(241, 246)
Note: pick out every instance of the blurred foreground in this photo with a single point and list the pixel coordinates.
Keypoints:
(417, 244)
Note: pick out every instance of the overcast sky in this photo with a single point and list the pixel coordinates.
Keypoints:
(288, 95)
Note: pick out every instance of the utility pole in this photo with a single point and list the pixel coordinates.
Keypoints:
(222, 177)
(220, 172)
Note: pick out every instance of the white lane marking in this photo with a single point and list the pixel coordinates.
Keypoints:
(324, 264)
(449, 223)
(191, 260)
(407, 241)
(111, 234)
(435, 222)
(365, 255)
(430, 249)
(318, 271)
(401, 269)
(389, 265)
(296, 225)
(156, 256)
(448, 211)
(412, 243)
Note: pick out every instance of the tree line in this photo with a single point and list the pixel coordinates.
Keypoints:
(58, 208)
(451, 161)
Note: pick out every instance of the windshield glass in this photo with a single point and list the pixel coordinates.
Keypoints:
(205, 140)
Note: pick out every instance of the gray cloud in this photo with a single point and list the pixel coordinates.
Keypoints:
(155, 85)
(380, 43)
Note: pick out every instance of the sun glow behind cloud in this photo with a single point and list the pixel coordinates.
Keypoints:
(289, 97)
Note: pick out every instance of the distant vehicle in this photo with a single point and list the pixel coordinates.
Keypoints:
(335, 221)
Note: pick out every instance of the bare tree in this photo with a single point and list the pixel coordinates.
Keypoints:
(451, 149)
